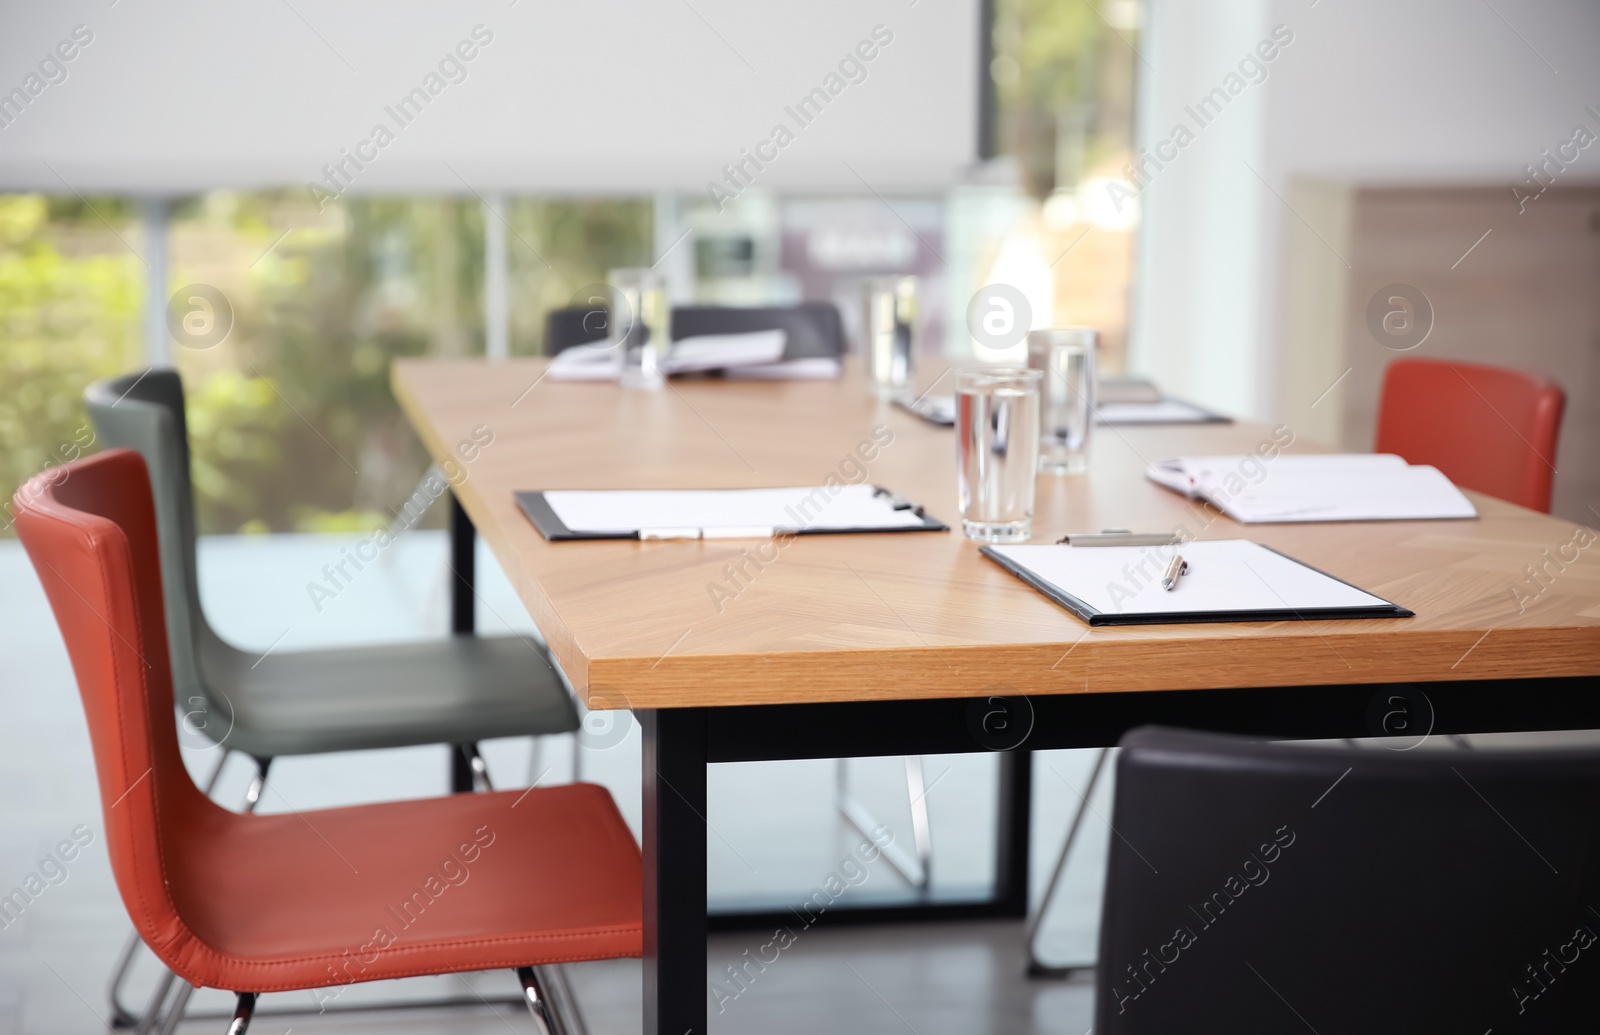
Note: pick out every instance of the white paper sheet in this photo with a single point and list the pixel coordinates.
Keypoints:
(1334, 487)
(804, 507)
(1225, 575)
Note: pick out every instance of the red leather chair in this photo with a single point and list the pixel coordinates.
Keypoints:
(251, 903)
(1490, 429)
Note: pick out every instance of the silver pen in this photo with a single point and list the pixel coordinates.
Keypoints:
(724, 532)
(1178, 566)
(1118, 537)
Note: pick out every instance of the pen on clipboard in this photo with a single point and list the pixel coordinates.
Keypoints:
(724, 532)
(1177, 566)
(1118, 537)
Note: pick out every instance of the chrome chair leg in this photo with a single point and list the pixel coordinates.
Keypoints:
(242, 1013)
(538, 1005)
(174, 1014)
(914, 866)
(154, 1012)
(258, 783)
(921, 826)
(480, 768)
(1031, 931)
(563, 1001)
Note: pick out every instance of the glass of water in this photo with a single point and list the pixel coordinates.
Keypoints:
(889, 312)
(997, 451)
(638, 328)
(1065, 355)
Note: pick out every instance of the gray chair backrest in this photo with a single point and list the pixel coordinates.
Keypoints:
(143, 411)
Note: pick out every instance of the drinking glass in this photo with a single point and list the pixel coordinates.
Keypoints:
(890, 314)
(637, 327)
(997, 451)
(1065, 356)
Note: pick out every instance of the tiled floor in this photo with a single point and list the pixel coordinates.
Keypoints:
(775, 832)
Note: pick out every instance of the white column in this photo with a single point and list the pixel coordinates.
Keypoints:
(157, 339)
(496, 303)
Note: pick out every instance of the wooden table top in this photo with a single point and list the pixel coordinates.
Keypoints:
(916, 615)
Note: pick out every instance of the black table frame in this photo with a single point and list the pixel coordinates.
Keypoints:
(679, 743)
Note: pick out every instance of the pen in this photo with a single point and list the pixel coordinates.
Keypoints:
(1118, 537)
(724, 532)
(1178, 566)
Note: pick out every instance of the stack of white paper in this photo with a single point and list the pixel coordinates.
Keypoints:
(1337, 487)
(758, 354)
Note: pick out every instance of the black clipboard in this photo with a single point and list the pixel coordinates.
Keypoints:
(1097, 617)
(544, 518)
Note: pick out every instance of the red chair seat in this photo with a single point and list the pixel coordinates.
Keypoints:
(297, 900)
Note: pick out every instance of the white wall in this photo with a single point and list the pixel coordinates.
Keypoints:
(603, 95)
(1369, 92)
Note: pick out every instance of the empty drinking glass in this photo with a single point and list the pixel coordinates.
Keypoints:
(997, 451)
(889, 311)
(1065, 355)
(638, 325)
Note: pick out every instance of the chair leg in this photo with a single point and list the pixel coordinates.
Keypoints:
(538, 1005)
(913, 866)
(258, 783)
(242, 1013)
(1031, 931)
(180, 1003)
(477, 766)
(921, 826)
(154, 1012)
(563, 1003)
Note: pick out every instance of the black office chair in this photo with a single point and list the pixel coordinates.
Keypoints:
(1259, 887)
(573, 326)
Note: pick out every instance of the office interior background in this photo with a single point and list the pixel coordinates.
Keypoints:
(1073, 150)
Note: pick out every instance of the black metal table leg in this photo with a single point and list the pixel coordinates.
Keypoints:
(1013, 823)
(463, 561)
(675, 924)
(463, 615)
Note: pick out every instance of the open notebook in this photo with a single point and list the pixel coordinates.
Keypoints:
(1336, 487)
(720, 513)
(1228, 580)
(754, 355)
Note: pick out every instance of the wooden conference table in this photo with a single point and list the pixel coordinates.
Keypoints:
(860, 645)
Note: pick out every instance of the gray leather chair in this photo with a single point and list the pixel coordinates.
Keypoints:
(455, 691)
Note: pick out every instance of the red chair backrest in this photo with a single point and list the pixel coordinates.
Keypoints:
(1489, 429)
(90, 529)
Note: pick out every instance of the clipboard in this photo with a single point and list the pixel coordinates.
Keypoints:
(1231, 580)
(705, 513)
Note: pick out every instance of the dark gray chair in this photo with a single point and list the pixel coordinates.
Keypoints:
(1285, 887)
(456, 691)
